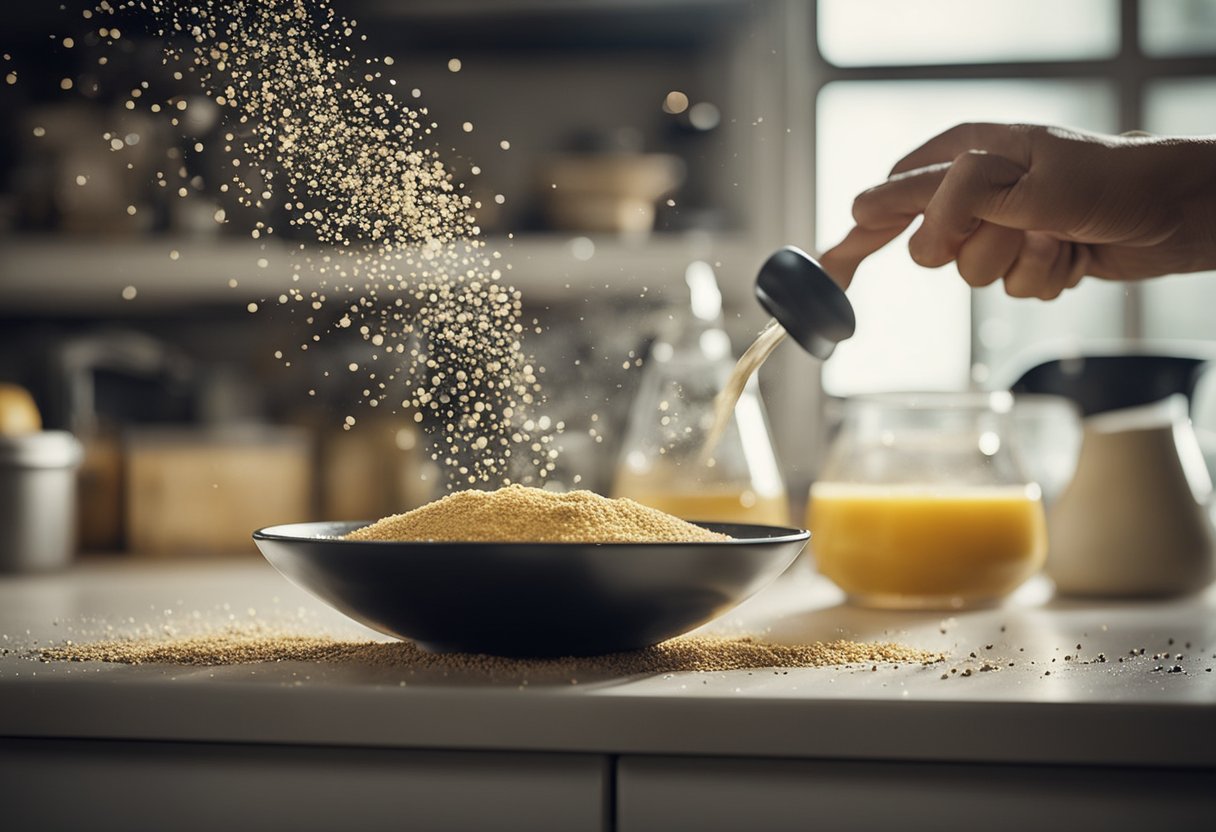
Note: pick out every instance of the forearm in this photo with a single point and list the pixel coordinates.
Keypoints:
(1170, 184)
(1198, 200)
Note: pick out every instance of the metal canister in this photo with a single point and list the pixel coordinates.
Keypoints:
(38, 500)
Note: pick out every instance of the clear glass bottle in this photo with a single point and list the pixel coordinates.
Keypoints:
(922, 503)
(661, 462)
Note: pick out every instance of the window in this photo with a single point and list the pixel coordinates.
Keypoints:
(1178, 27)
(892, 73)
(891, 32)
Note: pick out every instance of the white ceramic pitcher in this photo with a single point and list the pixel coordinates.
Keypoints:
(1134, 520)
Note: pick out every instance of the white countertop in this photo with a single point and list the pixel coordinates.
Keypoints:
(1055, 704)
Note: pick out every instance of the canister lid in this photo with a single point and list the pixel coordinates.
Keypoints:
(804, 299)
(44, 449)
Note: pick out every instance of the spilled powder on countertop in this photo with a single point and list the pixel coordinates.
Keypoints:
(519, 513)
(683, 654)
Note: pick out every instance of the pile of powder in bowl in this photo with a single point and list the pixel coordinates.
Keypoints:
(517, 513)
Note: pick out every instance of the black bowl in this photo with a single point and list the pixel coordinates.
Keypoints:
(530, 599)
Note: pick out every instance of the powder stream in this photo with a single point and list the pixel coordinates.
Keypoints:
(314, 134)
(724, 403)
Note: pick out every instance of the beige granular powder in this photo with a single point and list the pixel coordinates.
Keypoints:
(316, 135)
(683, 654)
(520, 513)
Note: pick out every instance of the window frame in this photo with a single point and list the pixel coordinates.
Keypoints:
(1129, 72)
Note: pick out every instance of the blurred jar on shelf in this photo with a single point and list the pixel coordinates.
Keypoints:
(661, 463)
(922, 503)
(378, 468)
(71, 180)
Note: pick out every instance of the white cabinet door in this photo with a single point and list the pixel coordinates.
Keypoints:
(102, 785)
(668, 793)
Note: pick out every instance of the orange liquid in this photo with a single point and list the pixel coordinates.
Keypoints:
(921, 547)
(725, 506)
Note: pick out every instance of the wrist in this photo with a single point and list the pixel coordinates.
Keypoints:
(1182, 178)
(1199, 200)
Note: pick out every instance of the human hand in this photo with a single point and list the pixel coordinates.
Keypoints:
(1042, 207)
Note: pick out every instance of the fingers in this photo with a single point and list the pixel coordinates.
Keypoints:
(978, 186)
(976, 205)
(881, 213)
(841, 261)
(901, 198)
(989, 254)
(1009, 140)
(1045, 267)
(1032, 264)
(954, 197)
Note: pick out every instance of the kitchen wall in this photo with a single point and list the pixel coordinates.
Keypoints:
(133, 329)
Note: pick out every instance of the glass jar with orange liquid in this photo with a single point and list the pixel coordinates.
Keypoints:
(922, 504)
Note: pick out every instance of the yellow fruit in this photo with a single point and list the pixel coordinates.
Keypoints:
(18, 413)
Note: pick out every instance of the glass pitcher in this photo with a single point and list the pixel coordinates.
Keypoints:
(922, 504)
(661, 462)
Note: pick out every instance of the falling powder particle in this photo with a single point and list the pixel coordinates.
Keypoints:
(675, 102)
(175, 254)
(467, 127)
(129, 293)
(386, 229)
(82, 180)
(252, 307)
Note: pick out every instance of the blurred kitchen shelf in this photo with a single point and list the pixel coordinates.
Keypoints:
(555, 266)
(60, 275)
(441, 25)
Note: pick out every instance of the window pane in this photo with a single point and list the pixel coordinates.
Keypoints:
(888, 32)
(914, 324)
(1178, 27)
(1183, 106)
